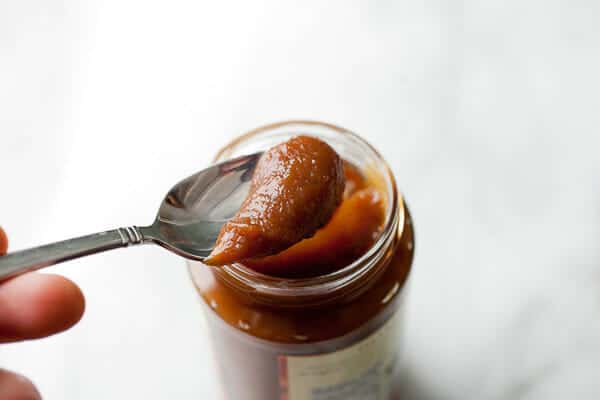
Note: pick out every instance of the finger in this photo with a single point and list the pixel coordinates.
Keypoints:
(3, 242)
(35, 305)
(16, 387)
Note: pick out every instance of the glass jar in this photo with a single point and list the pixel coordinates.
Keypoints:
(330, 337)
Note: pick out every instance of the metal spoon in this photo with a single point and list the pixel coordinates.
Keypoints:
(188, 221)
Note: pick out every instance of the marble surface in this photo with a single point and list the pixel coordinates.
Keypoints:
(487, 112)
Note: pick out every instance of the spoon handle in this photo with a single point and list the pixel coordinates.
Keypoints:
(35, 258)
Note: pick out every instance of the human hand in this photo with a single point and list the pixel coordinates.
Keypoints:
(32, 306)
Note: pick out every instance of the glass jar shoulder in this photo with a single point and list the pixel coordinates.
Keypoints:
(300, 325)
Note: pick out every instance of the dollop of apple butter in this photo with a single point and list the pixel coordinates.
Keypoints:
(296, 188)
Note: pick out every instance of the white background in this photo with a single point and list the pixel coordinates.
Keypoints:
(488, 112)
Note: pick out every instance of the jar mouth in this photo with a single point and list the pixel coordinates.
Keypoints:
(394, 214)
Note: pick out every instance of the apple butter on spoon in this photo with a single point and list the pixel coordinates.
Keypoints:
(296, 187)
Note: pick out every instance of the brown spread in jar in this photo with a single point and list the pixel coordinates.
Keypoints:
(296, 187)
(353, 228)
(305, 320)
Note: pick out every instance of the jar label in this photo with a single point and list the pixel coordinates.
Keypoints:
(363, 371)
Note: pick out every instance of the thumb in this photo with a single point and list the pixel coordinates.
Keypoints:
(16, 387)
(13, 386)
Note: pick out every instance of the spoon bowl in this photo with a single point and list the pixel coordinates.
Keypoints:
(193, 212)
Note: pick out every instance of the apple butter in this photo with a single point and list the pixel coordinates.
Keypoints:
(296, 187)
(355, 225)
(322, 319)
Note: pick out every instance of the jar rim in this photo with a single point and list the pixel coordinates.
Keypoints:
(310, 286)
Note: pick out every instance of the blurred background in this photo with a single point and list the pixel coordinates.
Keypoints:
(487, 112)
